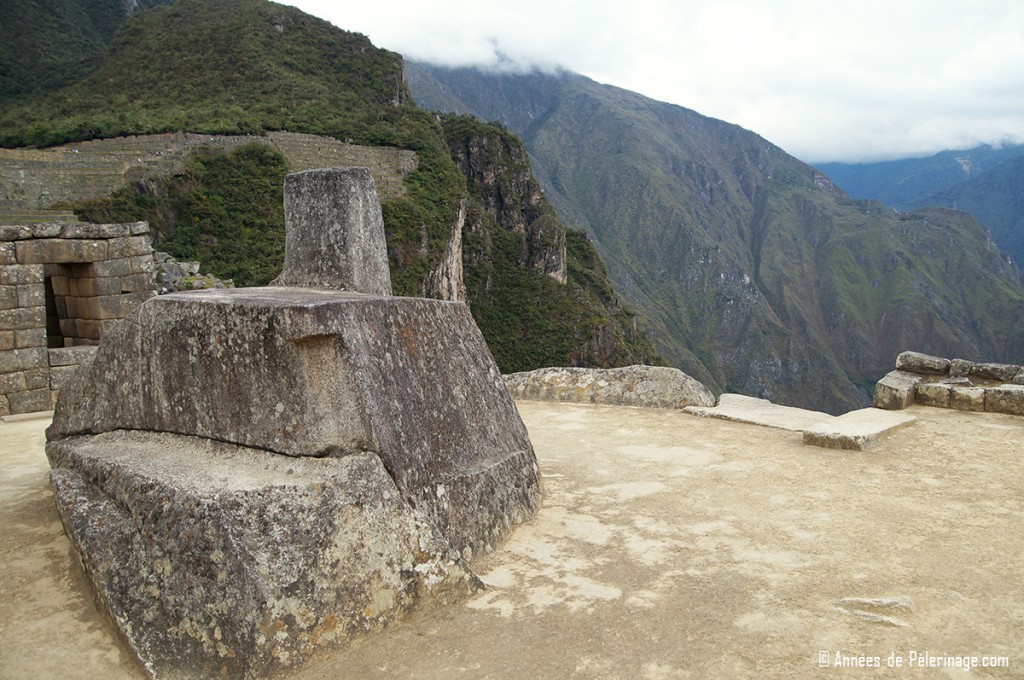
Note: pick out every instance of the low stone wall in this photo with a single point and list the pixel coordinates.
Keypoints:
(649, 386)
(62, 286)
(952, 383)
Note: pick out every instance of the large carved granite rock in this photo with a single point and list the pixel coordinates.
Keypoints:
(250, 475)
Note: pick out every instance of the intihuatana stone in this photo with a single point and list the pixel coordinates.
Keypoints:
(335, 232)
(251, 475)
(651, 386)
(916, 362)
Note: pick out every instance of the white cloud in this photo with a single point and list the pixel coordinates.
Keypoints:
(824, 80)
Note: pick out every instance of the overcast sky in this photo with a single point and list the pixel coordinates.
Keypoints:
(824, 79)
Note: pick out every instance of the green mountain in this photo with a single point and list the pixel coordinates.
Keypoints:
(758, 275)
(540, 295)
(996, 198)
(46, 44)
(904, 182)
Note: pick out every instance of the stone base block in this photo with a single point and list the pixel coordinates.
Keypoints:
(896, 390)
(934, 394)
(1005, 399)
(217, 560)
(857, 430)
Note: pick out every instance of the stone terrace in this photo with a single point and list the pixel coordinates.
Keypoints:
(33, 181)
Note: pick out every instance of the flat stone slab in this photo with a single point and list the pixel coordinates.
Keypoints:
(742, 409)
(857, 430)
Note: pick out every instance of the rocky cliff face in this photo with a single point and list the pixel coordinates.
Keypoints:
(498, 173)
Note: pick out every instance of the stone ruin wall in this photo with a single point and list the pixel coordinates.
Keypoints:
(34, 181)
(952, 383)
(61, 288)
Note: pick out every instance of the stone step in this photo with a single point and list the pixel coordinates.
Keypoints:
(857, 430)
(742, 409)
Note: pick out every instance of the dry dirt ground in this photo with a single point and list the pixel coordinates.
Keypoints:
(668, 546)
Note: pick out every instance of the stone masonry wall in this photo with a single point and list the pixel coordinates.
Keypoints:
(952, 383)
(61, 287)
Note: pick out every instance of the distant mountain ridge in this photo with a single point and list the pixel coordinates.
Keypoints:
(758, 275)
(905, 182)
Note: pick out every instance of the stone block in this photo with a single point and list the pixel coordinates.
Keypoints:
(67, 326)
(22, 318)
(999, 372)
(29, 401)
(137, 283)
(858, 430)
(6, 340)
(70, 356)
(60, 375)
(15, 232)
(94, 285)
(40, 251)
(31, 337)
(8, 297)
(129, 246)
(72, 307)
(37, 378)
(19, 274)
(22, 359)
(46, 229)
(92, 329)
(967, 398)
(916, 362)
(88, 230)
(5, 405)
(61, 285)
(138, 228)
(334, 232)
(1019, 378)
(60, 304)
(112, 268)
(1005, 399)
(269, 559)
(648, 386)
(31, 295)
(319, 373)
(8, 254)
(933, 394)
(12, 382)
(142, 264)
(960, 368)
(896, 390)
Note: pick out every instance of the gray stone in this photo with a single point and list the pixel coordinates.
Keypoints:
(857, 430)
(82, 230)
(933, 394)
(998, 372)
(320, 373)
(8, 297)
(967, 398)
(739, 408)
(29, 401)
(70, 356)
(915, 362)
(1019, 378)
(1005, 399)
(650, 386)
(38, 251)
(8, 254)
(30, 337)
(46, 229)
(334, 232)
(61, 375)
(22, 359)
(896, 390)
(14, 232)
(960, 368)
(217, 560)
